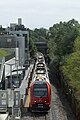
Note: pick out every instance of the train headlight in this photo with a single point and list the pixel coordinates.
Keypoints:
(46, 101)
(34, 101)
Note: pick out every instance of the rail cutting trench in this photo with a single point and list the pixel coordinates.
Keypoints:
(60, 109)
(28, 115)
(41, 116)
(35, 116)
(57, 111)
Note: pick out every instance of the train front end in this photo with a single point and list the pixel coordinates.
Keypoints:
(40, 96)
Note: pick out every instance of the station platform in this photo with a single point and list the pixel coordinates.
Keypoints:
(24, 82)
(27, 99)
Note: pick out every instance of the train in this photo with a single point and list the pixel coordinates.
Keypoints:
(40, 87)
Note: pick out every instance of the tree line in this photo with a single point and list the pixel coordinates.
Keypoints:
(63, 50)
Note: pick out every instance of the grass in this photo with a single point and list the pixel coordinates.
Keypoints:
(4, 52)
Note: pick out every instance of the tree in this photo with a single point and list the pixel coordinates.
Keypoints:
(63, 35)
(32, 46)
(71, 68)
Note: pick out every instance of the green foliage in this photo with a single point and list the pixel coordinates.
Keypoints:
(32, 48)
(4, 52)
(40, 34)
(63, 49)
(77, 44)
(51, 49)
(63, 46)
(36, 35)
(72, 67)
(63, 35)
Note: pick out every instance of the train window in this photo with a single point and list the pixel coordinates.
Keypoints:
(40, 85)
(40, 90)
(40, 65)
(40, 70)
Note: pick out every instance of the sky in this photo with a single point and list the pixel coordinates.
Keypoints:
(38, 13)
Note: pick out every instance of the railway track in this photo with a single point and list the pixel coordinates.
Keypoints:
(28, 115)
(41, 116)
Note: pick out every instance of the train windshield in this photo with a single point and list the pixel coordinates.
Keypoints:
(40, 90)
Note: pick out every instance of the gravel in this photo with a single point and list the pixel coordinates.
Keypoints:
(60, 108)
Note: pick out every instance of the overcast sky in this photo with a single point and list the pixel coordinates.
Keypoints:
(38, 13)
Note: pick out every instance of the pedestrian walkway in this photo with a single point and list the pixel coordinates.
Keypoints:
(24, 84)
(27, 101)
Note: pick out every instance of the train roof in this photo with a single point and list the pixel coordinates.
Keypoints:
(40, 70)
(42, 64)
(40, 78)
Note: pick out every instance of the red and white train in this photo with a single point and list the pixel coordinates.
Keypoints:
(40, 88)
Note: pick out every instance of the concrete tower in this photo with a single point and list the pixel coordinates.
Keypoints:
(19, 21)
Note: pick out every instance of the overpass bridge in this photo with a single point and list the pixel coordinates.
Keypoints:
(42, 47)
